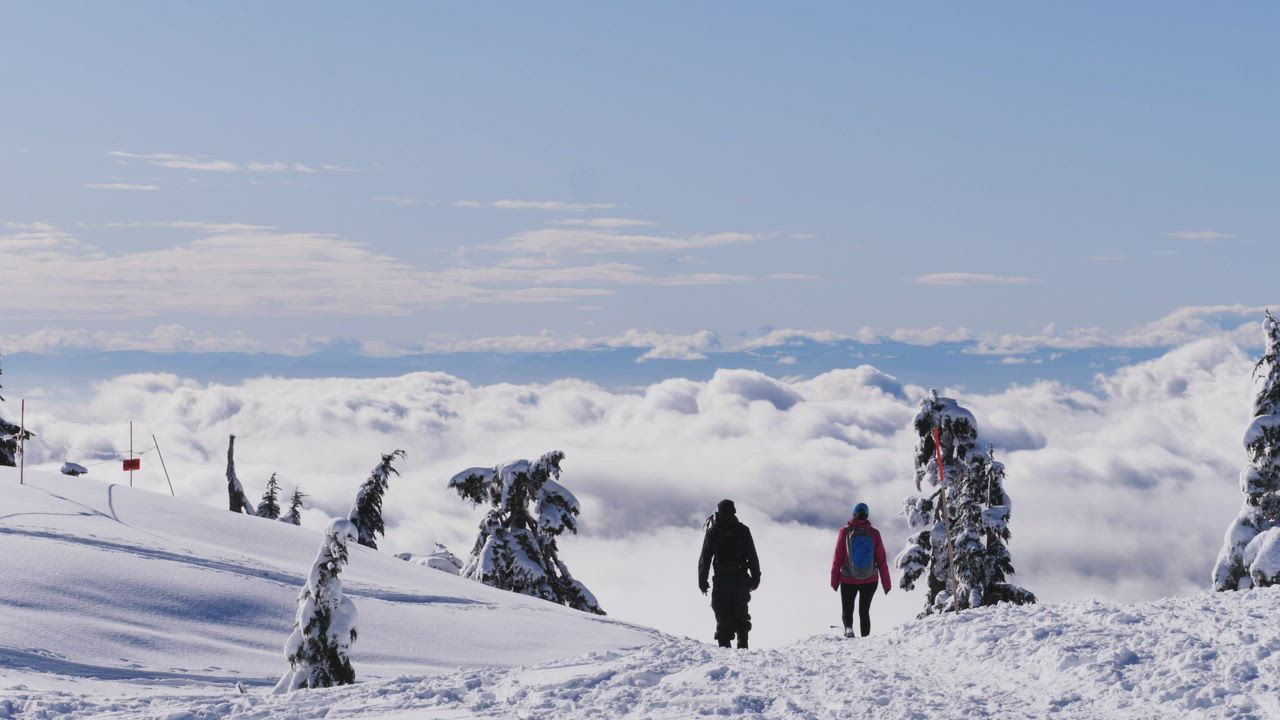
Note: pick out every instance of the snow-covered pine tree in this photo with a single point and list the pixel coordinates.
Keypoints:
(10, 435)
(516, 550)
(977, 510)
(366, 513)
(295, 507)
(239, 502)
(269, 508)
(325, 625)
(1245, 560)
(987, 481)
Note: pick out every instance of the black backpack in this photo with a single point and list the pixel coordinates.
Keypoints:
(726, 543)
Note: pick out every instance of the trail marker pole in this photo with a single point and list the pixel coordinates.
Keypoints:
(162, 465)
(22, 446)
(131, 455)
(946, 519)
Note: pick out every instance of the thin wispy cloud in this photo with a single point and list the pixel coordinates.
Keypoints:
(189, 225)
(572, 240)
(964, 278)
(609, 223)
(178, 162)
(559, 205)
(276, 166)
(136, 187)
(200, 163)
(1199, 235)
(245, 269)
(798, 277)
(398, 200)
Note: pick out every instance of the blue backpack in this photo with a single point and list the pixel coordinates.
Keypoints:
(860, 554)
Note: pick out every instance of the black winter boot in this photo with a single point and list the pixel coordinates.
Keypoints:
(742, 640)
(724, 642)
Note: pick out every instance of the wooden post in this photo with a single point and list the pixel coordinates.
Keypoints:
(946, 519)
(22, 446)
(162, 465)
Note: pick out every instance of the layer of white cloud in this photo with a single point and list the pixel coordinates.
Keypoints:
(1120, 494)
(1239, 323)
(787, 336)
(1236, 323)
(966, 278)
(163, 338)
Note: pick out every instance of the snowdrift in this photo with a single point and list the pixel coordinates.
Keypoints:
(101, 581)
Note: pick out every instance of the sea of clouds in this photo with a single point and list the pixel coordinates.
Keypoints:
(1122, 490)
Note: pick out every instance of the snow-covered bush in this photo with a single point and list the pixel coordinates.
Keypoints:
(977, 514)
(238, 501)
(294, 515)
(366, 513)
(269, 508)
(325, 626)
(1260, 479)
(516, 549)
(439, 559)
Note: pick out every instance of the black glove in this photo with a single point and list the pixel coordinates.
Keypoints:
(755, 582)
(703, 586)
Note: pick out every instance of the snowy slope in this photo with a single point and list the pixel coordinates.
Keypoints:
(1210, 656)
(120, 603)
(104, 581)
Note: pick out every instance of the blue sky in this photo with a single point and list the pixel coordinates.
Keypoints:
(415, 172)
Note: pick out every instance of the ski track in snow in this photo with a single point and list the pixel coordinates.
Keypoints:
(1212, 656)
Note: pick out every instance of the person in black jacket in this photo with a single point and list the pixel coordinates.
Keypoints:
(728, 548)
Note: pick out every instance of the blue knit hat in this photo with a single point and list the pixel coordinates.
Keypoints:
(861, 508)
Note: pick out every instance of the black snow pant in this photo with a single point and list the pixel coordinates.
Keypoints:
(729, 602)
(863, 594)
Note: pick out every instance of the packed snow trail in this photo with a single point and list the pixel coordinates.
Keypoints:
(1210, 656)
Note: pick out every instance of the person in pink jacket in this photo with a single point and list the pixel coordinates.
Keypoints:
(858, 560)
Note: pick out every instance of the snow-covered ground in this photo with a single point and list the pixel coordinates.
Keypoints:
(101, 582)
(124, 603)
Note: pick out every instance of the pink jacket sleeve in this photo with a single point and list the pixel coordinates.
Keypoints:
(837, 561)
(881, 564)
